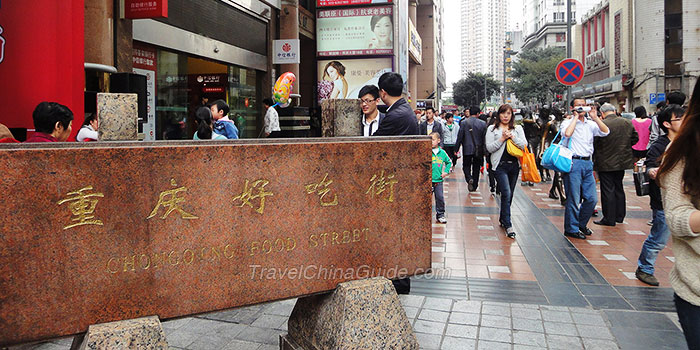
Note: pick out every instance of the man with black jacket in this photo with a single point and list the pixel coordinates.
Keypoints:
(472, 132)
(431, 125)
(670, 123)
(399, 119)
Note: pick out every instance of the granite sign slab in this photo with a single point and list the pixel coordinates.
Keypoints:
(93, 233)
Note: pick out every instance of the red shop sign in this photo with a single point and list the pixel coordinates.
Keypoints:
(145, 8)
(144, 57)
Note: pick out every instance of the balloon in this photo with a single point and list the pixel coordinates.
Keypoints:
(283, 87)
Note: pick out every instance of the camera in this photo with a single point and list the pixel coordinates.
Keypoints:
(582, 109)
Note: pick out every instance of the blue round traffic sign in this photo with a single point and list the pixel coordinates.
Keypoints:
(569, 71)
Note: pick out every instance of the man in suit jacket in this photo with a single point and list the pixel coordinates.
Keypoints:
(399, 118)
(472, 132)
(371, 117)
(431, 124)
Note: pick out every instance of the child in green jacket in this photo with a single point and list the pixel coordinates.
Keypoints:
(441, 168)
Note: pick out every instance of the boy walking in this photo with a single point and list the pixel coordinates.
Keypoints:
(441, 168)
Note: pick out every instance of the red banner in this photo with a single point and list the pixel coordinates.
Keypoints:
(322, 3)
(144, 57)
(145, 8)
(42, 58)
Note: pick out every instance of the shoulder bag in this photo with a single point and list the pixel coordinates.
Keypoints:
(557, 157)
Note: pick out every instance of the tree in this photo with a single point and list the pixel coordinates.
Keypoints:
(533, 75)
(469, 91)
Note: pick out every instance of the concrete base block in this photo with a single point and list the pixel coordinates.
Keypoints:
(363, 314)
(140, 333)
(117, 117)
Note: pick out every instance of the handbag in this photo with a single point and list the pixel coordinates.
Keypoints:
(641, 182)
(529, 167)
(513, 149)
(557, 157)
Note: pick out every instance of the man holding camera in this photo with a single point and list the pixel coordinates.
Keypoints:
(580, 182)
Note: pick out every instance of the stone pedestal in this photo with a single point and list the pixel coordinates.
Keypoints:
(117, 117)
(363, 314)
(140, 333)
(341, 117)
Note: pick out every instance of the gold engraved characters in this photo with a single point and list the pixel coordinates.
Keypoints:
(171, 200)
(379, 184)
(322, 190)
(82, 206)
(247, 196)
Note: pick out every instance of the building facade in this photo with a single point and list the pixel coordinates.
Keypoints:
(431, 79)
(544, 21)
(483, 36)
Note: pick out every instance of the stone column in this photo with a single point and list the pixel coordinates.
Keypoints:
(289, 29)
(412, 66)
(99, 32)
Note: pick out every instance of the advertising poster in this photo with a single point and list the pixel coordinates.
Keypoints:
(402, 42)
(355, 31)
(324, 3)
(145, 63)
(344, 78)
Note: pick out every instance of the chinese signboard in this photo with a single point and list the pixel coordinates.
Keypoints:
(345, 77)
(355, 31)
(145, 63)
(285, 51)
(415, 45)
(322, 3)
(145, 8)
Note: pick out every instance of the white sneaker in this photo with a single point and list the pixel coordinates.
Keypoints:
(442, 220)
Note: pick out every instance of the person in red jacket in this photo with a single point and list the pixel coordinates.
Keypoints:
(52, 122)
(6, 135)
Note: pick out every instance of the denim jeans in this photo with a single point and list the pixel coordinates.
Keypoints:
(506, 179)
(658, 236)
(579, 183)
(439, 200)
(689, 317)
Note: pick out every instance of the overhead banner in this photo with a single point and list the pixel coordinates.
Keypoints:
(145, 8)
(355, 32)
(415, 44)
(325, 3)
(344, 78)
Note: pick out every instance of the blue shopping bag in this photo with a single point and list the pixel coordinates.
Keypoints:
(557, 157)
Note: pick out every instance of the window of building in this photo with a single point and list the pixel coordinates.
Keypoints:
(561, 38)
(559, 17)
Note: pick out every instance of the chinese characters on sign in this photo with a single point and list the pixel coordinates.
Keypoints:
(171, 200)
(322, 3)
(354, 32)
(145, 8)
(82, 207)
(248, 195)
(286, 51)
(322, 190)
(379, 183)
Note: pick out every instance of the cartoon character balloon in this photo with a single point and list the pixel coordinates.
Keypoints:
(283, 87)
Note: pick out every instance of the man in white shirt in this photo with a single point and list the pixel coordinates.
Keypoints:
(271, 128)
(371, 117)
(580, 182)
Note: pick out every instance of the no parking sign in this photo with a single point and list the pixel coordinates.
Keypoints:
(569, 71)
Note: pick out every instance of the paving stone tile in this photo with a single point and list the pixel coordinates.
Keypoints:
(231, 330)
(560, 328)
(532, 314)
(597, 332)
(464, 318)
(471, 306)
(498, 310)
(182, 338)
(241, 345)
(554, 308)
(43, 346)
(489, 345)
(451, 343)
(461, 331)
(259, 335)
(599, 344)
(525, 347)
(495, 321)
(411, 312)
(495, 334)
(268, 347)
(433, 315)
(556, 316)
(280, 308)
(209, 342)
(528, 325)
(440, 304)
(584, 310)
(270, 321)
(563, 342)
(429, 327)
(593, 319)
(201, 326)
(499, 269)
(525, 306)
(529, 338)
(411, 300)
(428, 341)
(175, 324)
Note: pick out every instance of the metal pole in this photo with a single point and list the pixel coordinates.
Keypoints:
(568, 46)
(484, 91)
(503, 100)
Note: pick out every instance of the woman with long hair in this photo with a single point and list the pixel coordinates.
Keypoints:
(334, 72)
(205, 126)
(679, 179)
(505, 166)
(383, 29)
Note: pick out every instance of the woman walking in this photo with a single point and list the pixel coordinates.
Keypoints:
(505, 165)
(679, 179)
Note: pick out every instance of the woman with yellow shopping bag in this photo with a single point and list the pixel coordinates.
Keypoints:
(506, 142)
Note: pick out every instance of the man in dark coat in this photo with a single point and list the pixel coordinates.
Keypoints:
(399, 118)
(472, 132)
(612, 156)
(431, 125)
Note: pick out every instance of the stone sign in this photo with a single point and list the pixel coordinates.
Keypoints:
(93, 233)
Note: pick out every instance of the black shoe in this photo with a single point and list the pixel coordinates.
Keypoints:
(578, 235)
(586, 231)
(553, 195)
(620, 221)
(604, 223)
(646, 278)
(531, 184)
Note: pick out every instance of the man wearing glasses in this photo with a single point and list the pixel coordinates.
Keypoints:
(371, 117)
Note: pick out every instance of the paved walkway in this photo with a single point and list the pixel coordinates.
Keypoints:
(541, 290)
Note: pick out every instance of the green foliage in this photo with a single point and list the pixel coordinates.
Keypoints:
(533, 75)
(470, 90)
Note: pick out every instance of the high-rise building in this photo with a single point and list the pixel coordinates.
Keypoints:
(483, 36)
(544, 22)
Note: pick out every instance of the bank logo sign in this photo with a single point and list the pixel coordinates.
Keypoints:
(286, 51)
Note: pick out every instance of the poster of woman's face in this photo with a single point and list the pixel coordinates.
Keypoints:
(355, 32)
(382, 33)
(345, 77)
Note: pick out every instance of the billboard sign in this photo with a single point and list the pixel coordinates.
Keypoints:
(145, 9)
(344, 78)
(355, 32)
(326, 3)
(415, 44)
(285, 51)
